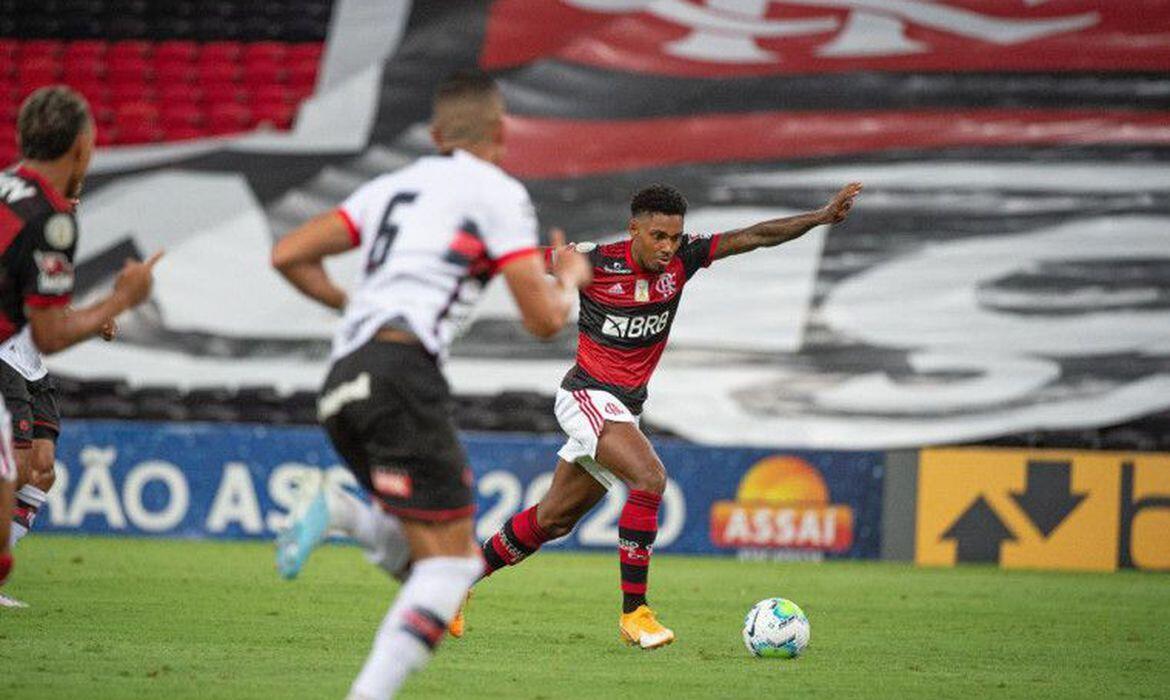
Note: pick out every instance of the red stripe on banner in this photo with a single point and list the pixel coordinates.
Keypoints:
(536, 146)
(791, 37)
(595, 419)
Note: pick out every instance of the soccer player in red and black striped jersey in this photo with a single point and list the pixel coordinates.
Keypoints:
(625, 319)
(38, 236)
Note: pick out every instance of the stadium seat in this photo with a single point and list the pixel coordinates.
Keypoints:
(226, 118)
(182, 132)
(139, 132)
(180, 92)
(171, 71)
(176, 114)
(222, 92)
(169, 51)
(130, 92)
(274, 114)
(261, 57)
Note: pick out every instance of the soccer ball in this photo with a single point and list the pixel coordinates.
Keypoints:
(776, 628)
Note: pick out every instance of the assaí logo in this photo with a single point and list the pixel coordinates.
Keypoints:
(782, 506)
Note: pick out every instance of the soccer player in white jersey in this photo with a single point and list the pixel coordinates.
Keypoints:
(430, 236)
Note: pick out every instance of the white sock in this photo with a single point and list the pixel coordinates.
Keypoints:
(32, 497)
(416, 622)
(18, 531)
(380, 534)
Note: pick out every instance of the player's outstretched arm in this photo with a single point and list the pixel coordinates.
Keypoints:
(545, 304)
(300, 257)
(55, 328)
(777, 231)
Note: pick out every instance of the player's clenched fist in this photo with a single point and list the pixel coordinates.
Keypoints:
(838, 207)
(136, 279)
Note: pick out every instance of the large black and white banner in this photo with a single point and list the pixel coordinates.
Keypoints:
(1007, 269)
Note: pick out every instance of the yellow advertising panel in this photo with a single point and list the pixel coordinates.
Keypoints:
(1043, 509)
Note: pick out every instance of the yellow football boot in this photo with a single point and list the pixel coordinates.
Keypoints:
(641, 628)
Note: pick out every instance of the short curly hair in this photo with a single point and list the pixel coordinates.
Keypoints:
(50, 121)
(658, 199)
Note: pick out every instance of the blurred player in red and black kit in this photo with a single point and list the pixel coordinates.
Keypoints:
(38, 237)
(625, 319)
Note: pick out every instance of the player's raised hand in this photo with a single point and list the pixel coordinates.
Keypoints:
(569, 265)
(136, 279)
(838, 207)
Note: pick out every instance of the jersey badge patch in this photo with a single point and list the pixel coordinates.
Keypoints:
(55, 272)
(642, 290)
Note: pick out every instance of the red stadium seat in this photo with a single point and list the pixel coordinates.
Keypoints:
(79, 73)
(103, 112)
(127, 69)
(222, 92)
(310, 51)
(37, 48)
(182, 133)
(221, 51)
(275, 114)
(180, 92)
(302, 74)
(129, 49)
(264, 51)
(85, 49)
(181, 114)
(139, 132)
(9, 47)
(175, 71)
(7, 67)
(107, 135)
(228, 118)
(136, 112)
(270, 94)
(266, 72)
(218, 70)
(166, 51)
(130, 91)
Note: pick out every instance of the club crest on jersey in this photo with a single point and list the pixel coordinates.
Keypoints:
(665, 284)
(642, 290)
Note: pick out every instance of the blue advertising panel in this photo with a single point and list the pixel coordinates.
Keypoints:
(239, 481)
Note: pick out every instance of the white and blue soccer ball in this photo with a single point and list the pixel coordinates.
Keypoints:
(776, 628)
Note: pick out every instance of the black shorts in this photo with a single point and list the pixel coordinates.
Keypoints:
(387, 409)
(33, 406)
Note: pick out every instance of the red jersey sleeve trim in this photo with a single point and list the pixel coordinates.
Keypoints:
(515, 255)
(42, 301)
(355, 236)
(711, 250)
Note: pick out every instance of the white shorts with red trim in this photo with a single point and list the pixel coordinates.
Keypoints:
(582, 414)
(7, 459)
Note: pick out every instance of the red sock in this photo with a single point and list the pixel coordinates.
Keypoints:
(637, 529)
(519, 537)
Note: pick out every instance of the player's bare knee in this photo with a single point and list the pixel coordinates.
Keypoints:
(652, 479)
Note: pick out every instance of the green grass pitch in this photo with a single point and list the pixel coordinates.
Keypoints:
(117, 618)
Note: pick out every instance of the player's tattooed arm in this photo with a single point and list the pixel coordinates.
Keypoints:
(777, 231)
(300, 256)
